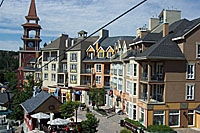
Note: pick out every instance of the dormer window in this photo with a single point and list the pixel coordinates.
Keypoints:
(109, 54)
(100, 54)
(91, 54)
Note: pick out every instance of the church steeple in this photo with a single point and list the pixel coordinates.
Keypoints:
(32, 14)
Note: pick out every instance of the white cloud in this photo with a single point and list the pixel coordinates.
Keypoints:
(10, 45)
(71, 16)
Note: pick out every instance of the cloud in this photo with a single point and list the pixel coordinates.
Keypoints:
(71, 16)
(10, 45)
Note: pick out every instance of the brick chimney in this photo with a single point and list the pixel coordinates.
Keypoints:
(165, 29)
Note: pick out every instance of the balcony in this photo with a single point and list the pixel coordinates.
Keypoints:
(85, 82)
(87, 71)
(61, 71)
(157, 77)
(107, 84)
(144, 77)
(73, 71)
(107, 72)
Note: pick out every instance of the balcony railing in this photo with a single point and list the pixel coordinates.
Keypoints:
(85, 82)
(106, 83)
(157, 77)
(143, 96)
(156, 98)
(144, 77)
(107, 72)
(73, 70)
(60, 80)
(61, 71)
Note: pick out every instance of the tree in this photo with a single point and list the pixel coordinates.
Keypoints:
(21, 96)
(90, 125)
(68, 108)
(97, 96)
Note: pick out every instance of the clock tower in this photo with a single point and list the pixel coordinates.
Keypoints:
(31, 37)
(31, 43)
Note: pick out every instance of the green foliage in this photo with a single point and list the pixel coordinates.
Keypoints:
(125, 130)
(21, 96)
(136, 123)
(68, 108)
(160, 128)
(90, 125)
(97, 96)
(8, 61)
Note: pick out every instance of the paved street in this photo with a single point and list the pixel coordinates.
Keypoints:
(187, 130)
(107, 125)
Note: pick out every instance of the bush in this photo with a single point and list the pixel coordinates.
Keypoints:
(101, 111)
(160, 128)
(136, 123)
(125, 130)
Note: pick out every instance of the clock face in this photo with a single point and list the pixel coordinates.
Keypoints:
(30, 44)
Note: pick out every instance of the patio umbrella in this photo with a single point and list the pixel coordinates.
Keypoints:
(40, 116)
(58, 121)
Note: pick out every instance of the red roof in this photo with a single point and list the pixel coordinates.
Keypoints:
(31, 24)
(32, 10)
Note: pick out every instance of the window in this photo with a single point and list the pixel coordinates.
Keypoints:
(159, 117)
(134, 89)
(120, 82)
(53, 77)
(46, 76)
(109, 54)
(46, 67)
(189, 92)
(100, 54)
(53, 67)
(190, 71)
(130, 111)
(98, 79)
(25, 75)
(120, 70)
(141, 116)
(37, 76)
(31, 74)
(88, 68)
(73, 79)
(129, 69)
(135, 70)
(190, 117)
(198, 50)
(174, 116)
(115, 69)
(63, 97)
(127, 107)
(73, 57)
(65, 67)
(73, 68)
(134, 112)
(129, 87)
(98, 68)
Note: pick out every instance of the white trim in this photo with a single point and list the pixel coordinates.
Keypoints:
(178, 119)
(190, 63)
(89, 48)
(193, 119)
(100, 48)
(192, 86)
(111, 48)
(97, 81)
(96, 68)
(159, 115)
(197, 44)
(141, 41)
(183, 36)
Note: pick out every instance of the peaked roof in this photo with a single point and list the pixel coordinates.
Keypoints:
(34, 102)
(59, 43)
(32, 10)
(165, 48)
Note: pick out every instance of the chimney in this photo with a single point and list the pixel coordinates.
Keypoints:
(141, 32)
(165, 29)
(103, 33)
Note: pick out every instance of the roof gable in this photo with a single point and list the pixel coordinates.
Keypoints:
(100, 48)
(89, 48)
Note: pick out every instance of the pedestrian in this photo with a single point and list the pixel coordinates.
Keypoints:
(49, 128)
(22, 131)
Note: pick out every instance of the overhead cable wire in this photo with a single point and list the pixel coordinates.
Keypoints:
(96, 31)
(1, 3)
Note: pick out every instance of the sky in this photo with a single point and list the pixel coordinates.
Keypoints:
(70, 16)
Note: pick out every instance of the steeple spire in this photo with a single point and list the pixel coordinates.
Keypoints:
(32, 10)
